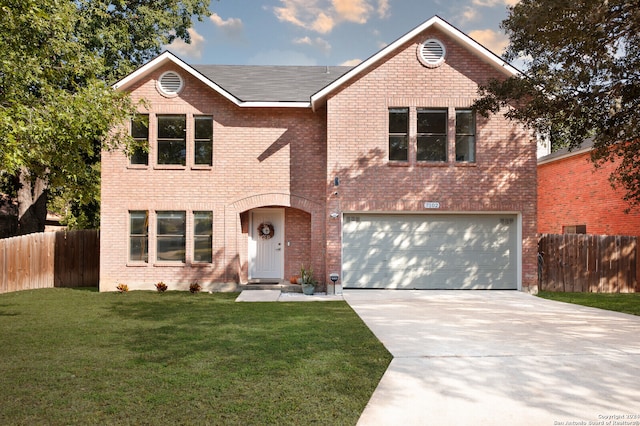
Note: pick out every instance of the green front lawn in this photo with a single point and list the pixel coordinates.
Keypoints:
(82, 357)
(629, 303)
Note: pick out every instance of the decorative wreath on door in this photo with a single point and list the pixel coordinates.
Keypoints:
(265, 230)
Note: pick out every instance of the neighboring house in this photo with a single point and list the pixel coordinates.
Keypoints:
(381, 173)
(575, 197)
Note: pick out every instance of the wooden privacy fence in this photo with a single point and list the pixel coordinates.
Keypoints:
(588, 263)
(53, 259)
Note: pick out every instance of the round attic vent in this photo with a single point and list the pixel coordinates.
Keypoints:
(170, 83)
(431, 53)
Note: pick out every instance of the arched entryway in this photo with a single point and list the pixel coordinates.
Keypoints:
(277, 234)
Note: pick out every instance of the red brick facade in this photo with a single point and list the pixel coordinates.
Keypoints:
(571, 191)
(501, 180)
(289, 157)
(261, 157)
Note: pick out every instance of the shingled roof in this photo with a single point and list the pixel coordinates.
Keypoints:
(299, 86)
(257, 83)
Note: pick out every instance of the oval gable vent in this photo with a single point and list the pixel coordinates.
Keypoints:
(170, 83)
(431, 53)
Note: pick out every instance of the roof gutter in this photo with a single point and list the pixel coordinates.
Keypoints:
(551, 157)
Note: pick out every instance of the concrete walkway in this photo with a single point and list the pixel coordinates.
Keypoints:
(278, 296)
(500, 358)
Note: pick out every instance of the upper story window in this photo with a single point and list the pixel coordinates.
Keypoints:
(172, 145)
(398, 134)
(465, 135)
(431, 141)
(140, 132)
(432, 135)
(203, 144)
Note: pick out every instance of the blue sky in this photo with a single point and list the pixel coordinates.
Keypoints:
(327, 32)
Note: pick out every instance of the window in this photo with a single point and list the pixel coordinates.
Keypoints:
(465, 136)
(171, 236)
(398, 134)
(202, 236)
(172, 146)
(140, 132)
(139, 236)
(203, 140)
(574, 229)
(432, 135)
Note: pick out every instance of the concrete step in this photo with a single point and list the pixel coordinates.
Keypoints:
(285, 287)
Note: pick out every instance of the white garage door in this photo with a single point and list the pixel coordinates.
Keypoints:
(429, 251)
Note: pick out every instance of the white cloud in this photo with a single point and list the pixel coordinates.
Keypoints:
(469, 14)
(323, 23)
(492, 40)
(193, 49)
(383, 9)
(318, 43)
(351, 62)
(323, 15)
(352, 10)
(308, 14)
(232, 27)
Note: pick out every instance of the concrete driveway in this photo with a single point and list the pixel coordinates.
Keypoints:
(500, 358)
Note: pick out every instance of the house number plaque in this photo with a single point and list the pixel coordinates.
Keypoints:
(432, 205)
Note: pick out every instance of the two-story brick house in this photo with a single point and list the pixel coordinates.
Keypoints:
(381, 173)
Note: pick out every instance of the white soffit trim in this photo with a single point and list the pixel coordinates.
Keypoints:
(435, 22)
(167, 57)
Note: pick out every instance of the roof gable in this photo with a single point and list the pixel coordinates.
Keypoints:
(435, 22)
(298, 86)
(169, 58)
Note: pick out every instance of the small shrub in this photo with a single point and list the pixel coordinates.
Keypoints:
(122, 288)
(161, 287)
(194, 287)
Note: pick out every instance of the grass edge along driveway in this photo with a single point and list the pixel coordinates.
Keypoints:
(82, 357)
(628, 303)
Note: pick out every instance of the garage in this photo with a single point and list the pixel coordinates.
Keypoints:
(429, 251)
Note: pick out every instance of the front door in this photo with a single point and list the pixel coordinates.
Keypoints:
(266, 244)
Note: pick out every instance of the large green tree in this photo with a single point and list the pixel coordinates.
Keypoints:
(58, 60)
(581, 78)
